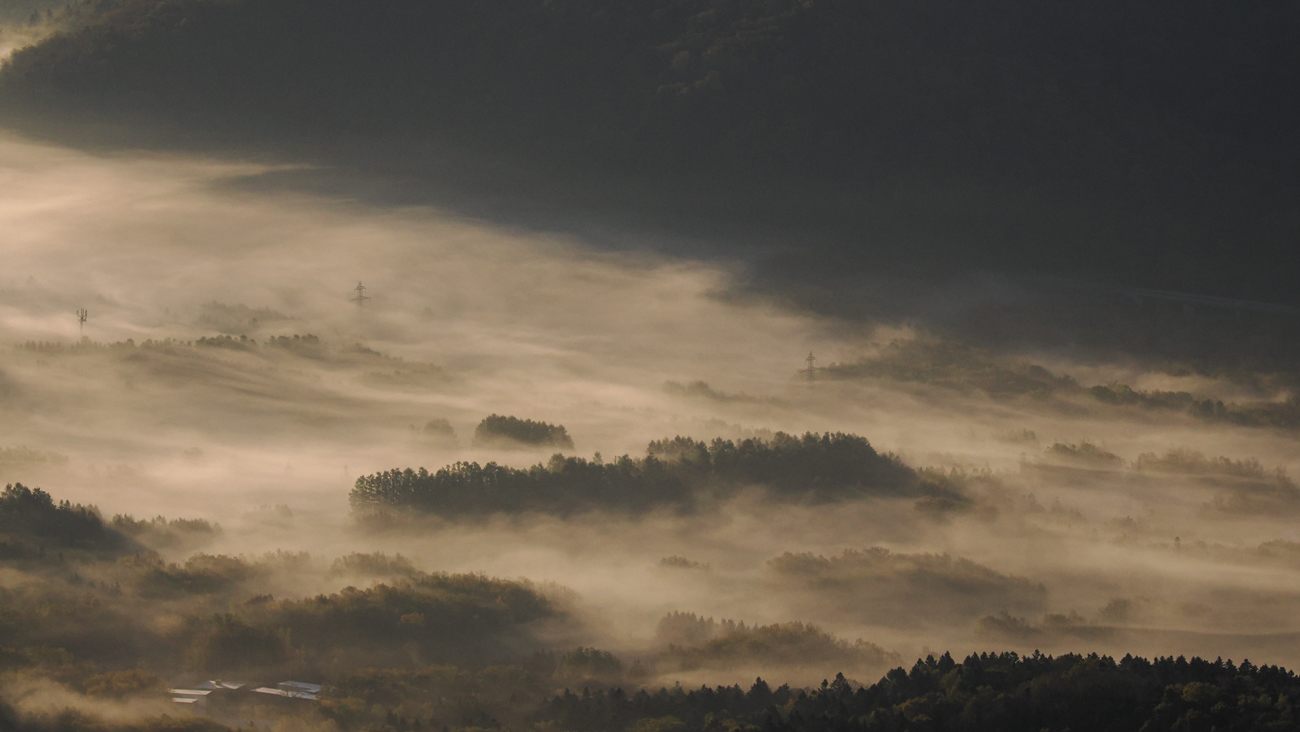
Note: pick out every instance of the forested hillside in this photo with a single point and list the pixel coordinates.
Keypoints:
(678, 474)
(984, 692)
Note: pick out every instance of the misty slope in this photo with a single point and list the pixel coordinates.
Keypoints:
(939, 134)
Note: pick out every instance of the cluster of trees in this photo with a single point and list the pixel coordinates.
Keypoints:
(983, 692)
(87, 345)
(433, 618)
(439, 430)
(166, 356)
(434, 697)
(678, 473)
(953, 365)
(70, 720)
(959, 366)
(1084, 453)
(893, 588)
(677, 561)
(1240, 486)
(440, 696)
(239, 343)
(585, 666)
(306, 343)
(1277, 496)
(164, 533)
(420, 650)
(372, 564)
(92, 602)
(21, 455)
(690, 641)
(219, 341)
(987, 691)
(70, 627)
(215, 575)
(703, 390)
(238, 318)
(31, 522)
(297, 341)
(1192, 463)
(465, 619)
(504, 431)
(1284, 414)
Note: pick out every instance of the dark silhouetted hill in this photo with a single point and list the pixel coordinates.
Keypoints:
(1141, 144)
(985, 691)
(680, 474)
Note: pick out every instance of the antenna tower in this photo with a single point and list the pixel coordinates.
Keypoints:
(361, 296)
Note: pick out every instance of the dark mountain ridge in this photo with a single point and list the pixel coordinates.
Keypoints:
(1139, 145)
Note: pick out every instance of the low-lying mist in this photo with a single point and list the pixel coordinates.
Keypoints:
(228, 374)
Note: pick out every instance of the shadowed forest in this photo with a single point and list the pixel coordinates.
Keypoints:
(655, 366)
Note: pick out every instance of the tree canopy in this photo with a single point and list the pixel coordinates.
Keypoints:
(987, 691)
(676, 474)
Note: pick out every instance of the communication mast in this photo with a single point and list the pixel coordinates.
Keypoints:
(811, 371)
(361, 296)
(82, 315)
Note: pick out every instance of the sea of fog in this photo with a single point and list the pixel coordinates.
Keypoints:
(467, 318)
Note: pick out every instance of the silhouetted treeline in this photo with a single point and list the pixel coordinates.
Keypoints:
(161, 532)
(693, 642)
(241, 342)
(959, 366)
(76, 618)
(70, 720)
(499, 430)
(32, 523)
(26, 456)
(419, 650)
(1149, 143)
(901, 589)
(1004, 692)
(1284, 414)
(95, 594)
(382, 370)
(1240, 486)
(440, 618)
(678, 474)
(34, 526)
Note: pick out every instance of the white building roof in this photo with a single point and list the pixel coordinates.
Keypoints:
(285, 693)
(218, 684)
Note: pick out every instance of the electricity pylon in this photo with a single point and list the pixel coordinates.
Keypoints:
(361, 296)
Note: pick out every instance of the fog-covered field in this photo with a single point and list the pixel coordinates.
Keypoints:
(224, 373)
(314, 370)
